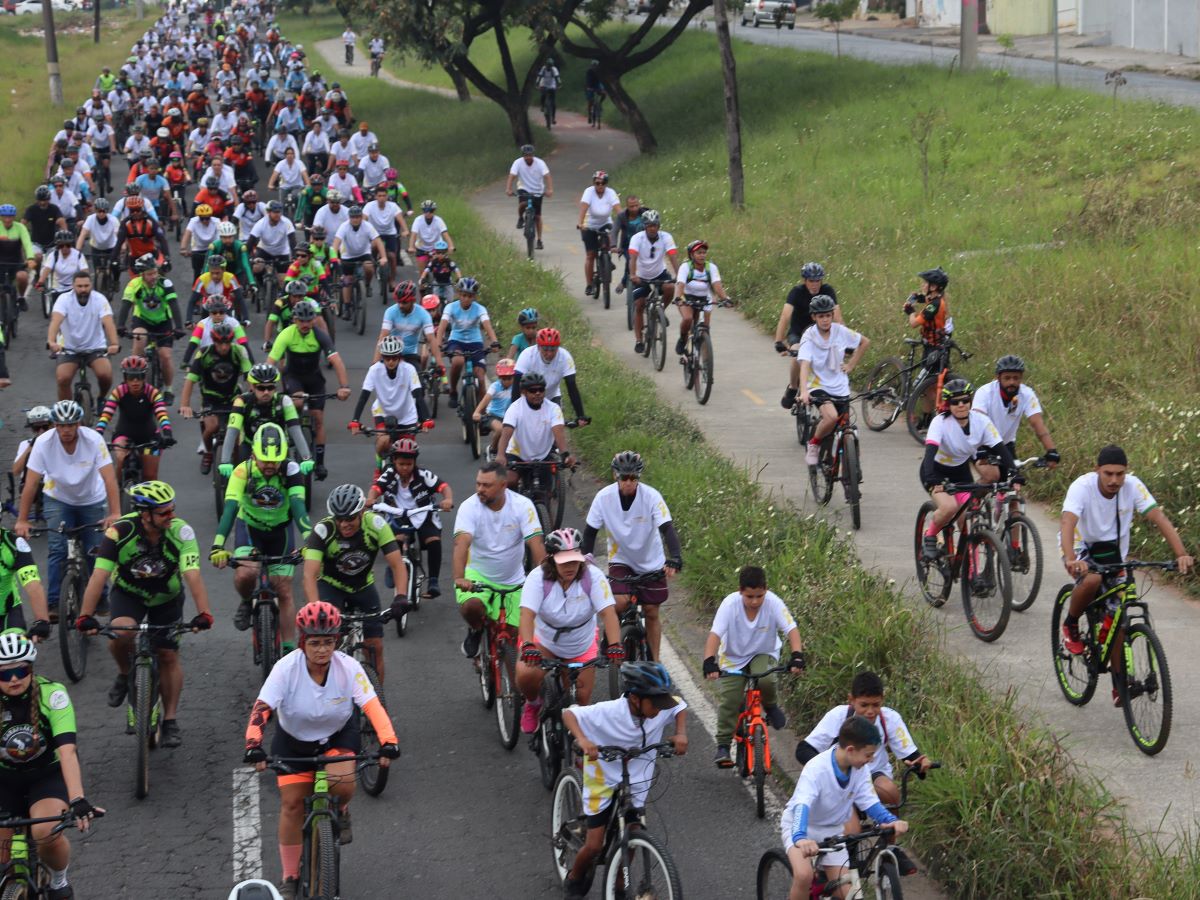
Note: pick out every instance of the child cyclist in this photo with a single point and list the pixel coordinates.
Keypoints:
(829, 789)
(440, 273)
(527, 336)
(745, 631)
(495, 402)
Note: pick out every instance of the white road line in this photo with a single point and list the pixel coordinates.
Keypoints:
(247, 825)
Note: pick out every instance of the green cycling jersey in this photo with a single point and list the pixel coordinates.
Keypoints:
(40, 720)
(301, 352)
(17, 569)
(217, 375)
(248, 414)
(155, 304)
(146, 569)
(346, 563)
(263, 502)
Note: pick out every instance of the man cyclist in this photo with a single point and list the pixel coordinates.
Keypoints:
(141, 418)
(652, 261)
(263, 500)
(155, 307)
(825, 370)
(534, 180)
(262, 403)
(83, 320)
(593, 88)
(139, 234)
(98, 240)
(198, 235)
(628, 223)
(237, 258)
(150, 556)
(1007, 400)
(427, 229)
(410, 323)
(216, 284)
(19, 571)
(389, 220)
(272, 241)
(556, 365)
(60, 265)
(218, 369)
(339, 556)
(549, 79)
(357, 243)
(399, 397)
(18, 259)
(460, 334)
(533, 429)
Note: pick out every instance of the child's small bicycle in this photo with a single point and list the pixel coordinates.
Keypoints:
(753, 754)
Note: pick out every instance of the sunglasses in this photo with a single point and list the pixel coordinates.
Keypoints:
(629, 478)
(15, 674)
(353, 518)
(135, 377)
(535, 390)
(168, 511)
(392, 358)
(959, 401)
(265, 388)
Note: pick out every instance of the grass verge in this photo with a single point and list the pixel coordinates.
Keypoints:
(1010, 815)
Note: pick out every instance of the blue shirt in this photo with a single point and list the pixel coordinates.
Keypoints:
(501, 398)
(408, 327)
(464, 323)
(152, 188)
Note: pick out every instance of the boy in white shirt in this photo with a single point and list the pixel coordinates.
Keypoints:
(825, 370)
(745, 632)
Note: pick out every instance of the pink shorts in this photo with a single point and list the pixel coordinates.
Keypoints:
(587, 656)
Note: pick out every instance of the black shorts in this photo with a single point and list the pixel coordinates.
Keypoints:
(284, 744)
(81, 358)
(365, 600)
(15, 618)
(841, 404)
(23, 787)
(537, 201)
(276, 542)
(643, 289)
(306, 383)
(280, 263)
(348, 262)
(960, 474)
(122, 605)
(404, 530)
(601, 819)
(391, 242)
(160, 331)
(591, 240)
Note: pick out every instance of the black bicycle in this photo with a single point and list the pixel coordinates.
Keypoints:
(542, 481)
(552, 742)
(838, 460)
(697, 359)
(894, 386)
(72, 643)
(25, 876)
(264, 632)
(410, 547)
(655, 325)
(131, 471)
(602, 272)
(10, 309)
(528, 221)
(633, 627)
(353, 643)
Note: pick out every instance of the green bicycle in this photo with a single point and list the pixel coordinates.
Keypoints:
(24, 876)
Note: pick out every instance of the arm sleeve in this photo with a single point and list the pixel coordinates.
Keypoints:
(363, 397)
(805, 751)
(380, 721)
(573, 393)
(589, 539)
(671, 538)
(927, 478)
(260, 714)
(292, 420)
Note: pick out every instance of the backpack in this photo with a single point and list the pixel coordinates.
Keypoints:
(586, 582)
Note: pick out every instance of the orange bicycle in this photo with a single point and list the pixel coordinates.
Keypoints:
(753, 754)
(497, 666)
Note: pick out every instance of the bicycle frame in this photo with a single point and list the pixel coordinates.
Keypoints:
(617, 831)
(750, 717)
(23, 863)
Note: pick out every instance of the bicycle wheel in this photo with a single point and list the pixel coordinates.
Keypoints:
(83, 396)
(508, 700)
(934, 576)
(470, 429)
(530, 234)
(559, 498)
(774, 875)
(549, 747)
(266, 635)
(487, 683)
(658, 350)
(360, 311)
(689, 362)
(1023, 546)
(433, 391)
(1077, 675)
(986, 585)
(18, 890)
(629, 307)
(72, 643)
(374, 776)
(851, 476)
(920, 410)
(321, 861)
(1146, 689)
(402, 621)
(702, 377)
(646, 870)
(820, 482)
(143, 703)
(218, 485)
(758, 768)
(880, 411)
(604, 270)
(887, 881)
(568, 825)
(543, 515)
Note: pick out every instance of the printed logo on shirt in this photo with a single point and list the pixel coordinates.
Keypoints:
(21, 744)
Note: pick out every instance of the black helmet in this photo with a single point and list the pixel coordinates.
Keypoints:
(63, 237)
(937, 277)
(42, 193)
(957, 387)
(812, 271)
(648, 679)
(627, 462)
(1010, 363)
(822, 303)
(532, 379)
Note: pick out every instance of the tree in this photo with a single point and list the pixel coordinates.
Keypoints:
(733, 116)
(836, 12)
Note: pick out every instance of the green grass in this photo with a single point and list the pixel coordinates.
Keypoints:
(1010, 814)
(29, 119)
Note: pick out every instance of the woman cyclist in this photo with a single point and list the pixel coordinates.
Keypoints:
(312, 692)
(143, 417)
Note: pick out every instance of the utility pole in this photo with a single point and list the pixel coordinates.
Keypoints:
(95, 21)
(968, 51)
(141, 10)
(56, 88)
(1054, 25)
(733, 119)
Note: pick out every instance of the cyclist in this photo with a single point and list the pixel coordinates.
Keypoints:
(198, 236)
(441, 273)
(218, 311)
(371, 167)
(745, 637)
(377, 49)
(532, 429)
(247, 214)
(215, 197)
(389, 220)
(427, 229)
(357, 243)
(552, 361)
(697, 282)
(313, 693)
(289, 176)
(339, 555)
(333, 214)
(61, 264)
(37, 420)
(344, 183)
(494, 403)
(397, 192)
(928, 309)
(638, 524)
(280, 315)
(300, 345)
(628, 223)
(143, 417)
(264, 498)
(405, 486)
(796, 318)
(825, 369)
(218, 369)
(99, 236)
(155, 307)
(494, 529)
(593, 88)
(1005, 401)
(280, 142)
(409, 323)
(237, 260)
(139, 234)
(527, 320)
(460, 334)
(399, 396)
(597, 207)
(652, 258)
(304, 267)
(216, 284)
(272, 241)
(83, 320)
(311, 200)
(631, 721)
(40, 775)
(18, 258)
(19, 571)
(261, 404)
(955, 437)
(534, 180)
(563, 603)
(315, 151)
(1097, 516)
(548, 81)
(150, 556)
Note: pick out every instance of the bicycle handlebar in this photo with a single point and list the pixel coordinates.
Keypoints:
(498, 592)
(611, 754)
(1110, 568)
(394, 511)
(741, 673)
(553, 665)
(66, 819)
(256, 557)
(174, 629)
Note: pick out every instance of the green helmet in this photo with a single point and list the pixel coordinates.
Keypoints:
(270, 443)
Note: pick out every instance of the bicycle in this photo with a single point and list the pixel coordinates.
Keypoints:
(10, 308)
(1020, 539)
(528, 221)
(552, 742)
(603, 272)
(697, 359)
(376, 62)
(633, 628)
(349, 54)
(144, 712)
(894, 386)
(1118, 621)
(24, 876)
(469, 386)
(131, 469)
(353, 643)
(107, 272)
(431, 380)
(839, 458)
(264, 631)
(219, 483)
(154, 372)
(496, 667)
(72, 643)
(310, 435)
(636, 863)
(355, 311)
(595, 108)
(410, 547)
(656, 325)
(978, 561)
(753, 752)
(542, 481)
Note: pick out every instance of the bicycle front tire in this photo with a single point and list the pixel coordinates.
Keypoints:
(374, 776)
(360, 310)
(851, 476)
(1146, 690)
(1024, 548)
(18, 890)
(918, 412)
(72, 643)
(266, 633)
(774, 875)
(568, 825)
(487, 681)
(1075, 674)
(321, 860)
(659, 347)
(508, 700)
(758, 749)
(702, 377)
(549, 756)
(986, 584)
(143, 704)
(647, 870)
(934, 576)
(887, 881)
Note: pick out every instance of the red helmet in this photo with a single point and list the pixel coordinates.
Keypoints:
(405, 446)
(317, 619)
(136, 364)
(134, 203)
(549, 337)
(405, 291)
(431, 302)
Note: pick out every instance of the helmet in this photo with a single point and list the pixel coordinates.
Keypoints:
(564, 540)
(526, 149)
(264, 374)
(431, 302)
(391, 346)
(428, 206)
(318, 618)
(305, 311)
(212, 182)
(162, 132)
(254, 889)
(506, 366)
(532, 379)
(235, 141)
(371, 146)
(600, 175)
(64, 237)
(937, 277)
(7, 209)
(204, 210)
(355, 210)
(174, 111)
(527, 316)
(227, 229)
(468, 285)
(250, 197)
(66, 412)
(346, 500)
(175, 154)
(405, 291)
(296, 288)
(651, 217)
(342, 164)
(101, 204)
(391, 174)
(270, 443)
(1010, 363)
(333, 195)
(134, 365)
(222, 331)
(822, 303)
(133, 190)
(217, 260)
(317, 178)
(134, 203)
(441, 245)
(405, 446)
(696, 245)
(151, 494)
(628, 462)
(957, 387)
(57, 179)
(646, 679)
(38, 415)
(216, 303)
(42, 193)
(275, 206)
(16, 648)
(317, 233)
(549, 337)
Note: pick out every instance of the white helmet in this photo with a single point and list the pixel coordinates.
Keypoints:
(16, 648)
(391, 346)
(38, 415)
(227, 229)
(255, 889)
(333, 195)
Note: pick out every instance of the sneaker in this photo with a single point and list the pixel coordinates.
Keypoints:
(575, 889)
(23, 306)
(789, 398)
(520, 222)
(529, 717)
(470, 644)
(1071, 640)
(539, 245)
(116, 693)
(929, 547)
(452, 401)
(206, 461)
(432, 588)
(171, 736)
(907, 866)
(722, 757)
(589, 291)
(812, 454)
(241, 618)
(345, 834)
(63, 893)
(680, 347)
(776, 716)
(289, 888)
(639, 347)
(52, 615)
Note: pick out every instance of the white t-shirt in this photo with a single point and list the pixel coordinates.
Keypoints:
(356, 241)
(428, 232)
(83, 324)
(566, 621)
(71, 478)
(697, 282)
(290, 176)
(956, 446)
(359, 142)
(63, 267)
(633, 536)
(826, 354)
(382, 218)
(600, 206)
(743, 638)
(330, 219)
(226, 179)
(829, 802)
(651, 257)
(347, 184)
(314, 712)
(498, 536)
(394, 395)
(278, 144)
(612, 724)
(892, 730)
(102, 235)
(531, 177)
(205, 326)
(1099, 516)
(316, 142)
(1004, 415)
(248, 218)
(22, 447)
(563, 364)
(203, 233)
(273, 239)
(373, 169)
(533, 437)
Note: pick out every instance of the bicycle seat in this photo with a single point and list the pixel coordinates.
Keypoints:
(913, 342)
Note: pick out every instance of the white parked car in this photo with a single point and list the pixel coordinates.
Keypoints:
(35, 6)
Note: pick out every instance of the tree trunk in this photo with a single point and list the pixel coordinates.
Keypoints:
(733, 120)
(629, 108)
(517, 111)
(460, 83)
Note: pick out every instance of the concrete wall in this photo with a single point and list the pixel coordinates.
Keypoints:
(935, 13)
(1165, 26)
(1019, 16)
